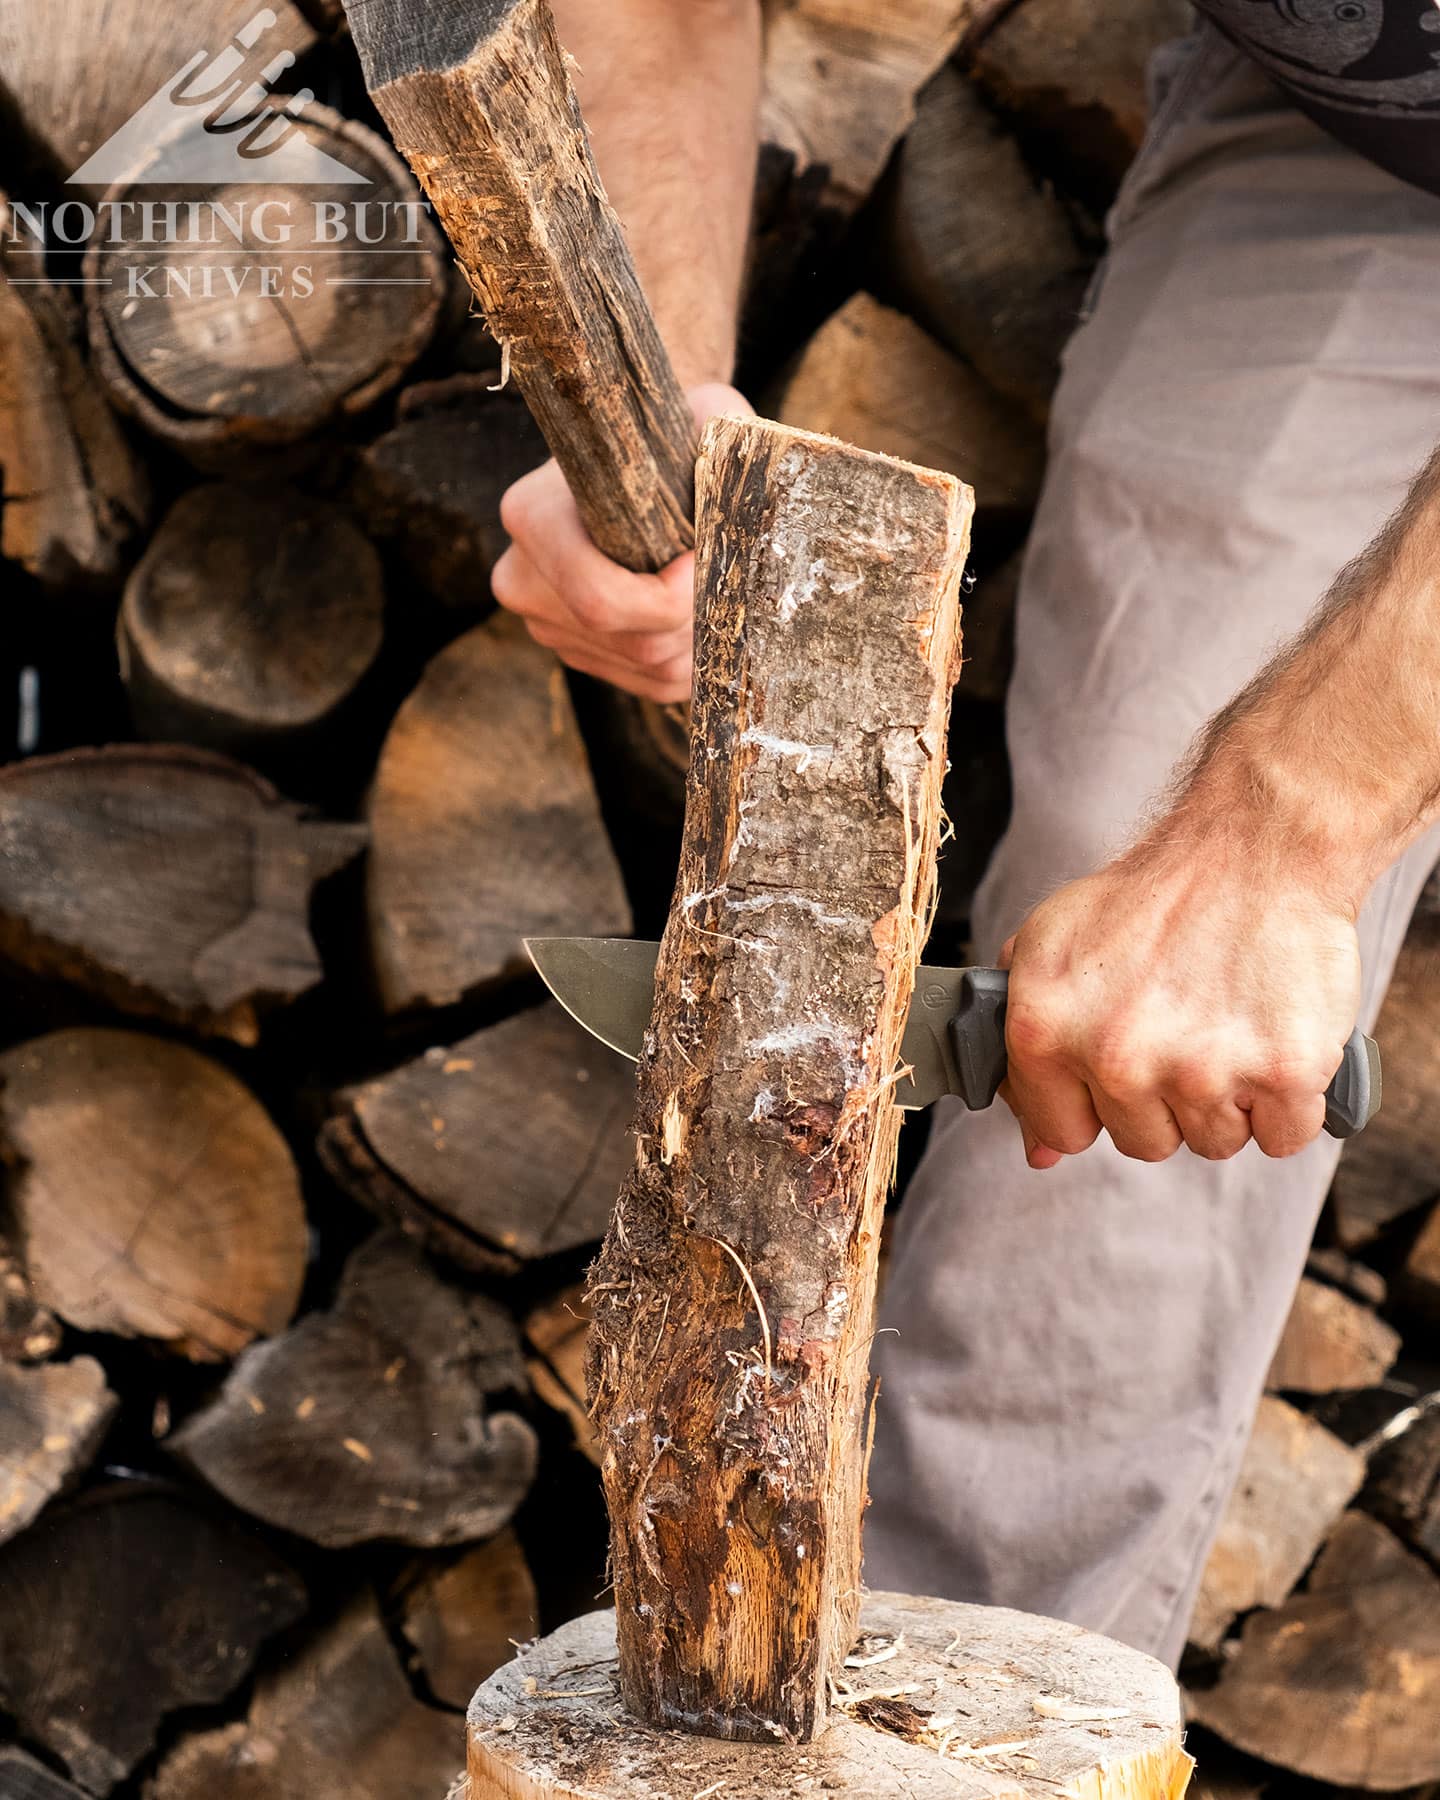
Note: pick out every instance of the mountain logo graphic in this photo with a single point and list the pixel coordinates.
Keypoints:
(215, 123)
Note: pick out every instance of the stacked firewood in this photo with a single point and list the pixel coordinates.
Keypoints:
(301, 1171)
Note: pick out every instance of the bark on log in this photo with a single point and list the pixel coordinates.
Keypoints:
(170, 882)
(73, 495)
(872, 377)
(1331, 1344)
(1343, 1682)
(150, 1192)
(983, 257)
(336, 1718)
(734, 1297)
(52, 1419)
(465, 1621)
(68, 100)
(1296, 1480)
(322, 328)
(250, 620)
(504, 1147)
(484, 827)
(959, 1703)
(1073, 73)
(170, 1601)
(841, 81)
(1404, 1486)
(432, 485)
(478, 98)
(1393, 1166)
(373, 1421)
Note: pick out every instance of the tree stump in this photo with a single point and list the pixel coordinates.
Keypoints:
(258, 328)
(250, 620)
(936, 1699)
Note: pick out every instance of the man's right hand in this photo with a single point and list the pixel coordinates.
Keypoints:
(632, 630)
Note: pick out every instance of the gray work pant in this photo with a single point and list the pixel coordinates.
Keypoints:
(1079, 1353)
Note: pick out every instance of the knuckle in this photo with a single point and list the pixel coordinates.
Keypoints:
(1035, 1032)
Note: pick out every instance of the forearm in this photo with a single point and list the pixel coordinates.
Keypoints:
(670, 91)
(1329, 762)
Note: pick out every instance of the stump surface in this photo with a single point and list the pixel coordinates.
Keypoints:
(936, 1699)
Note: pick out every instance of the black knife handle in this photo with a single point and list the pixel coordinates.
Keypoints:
(977, 1037)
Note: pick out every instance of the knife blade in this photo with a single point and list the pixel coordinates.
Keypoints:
(954, 1040)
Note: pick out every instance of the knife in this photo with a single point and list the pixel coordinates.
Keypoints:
(954, 1039)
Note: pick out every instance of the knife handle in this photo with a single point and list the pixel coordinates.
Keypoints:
(977, 1038)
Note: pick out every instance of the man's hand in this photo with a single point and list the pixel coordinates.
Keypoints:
(633, 630)
(1180, 995)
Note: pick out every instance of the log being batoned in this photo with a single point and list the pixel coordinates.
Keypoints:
(477, 96)
(940, 1702)
(734, 1298)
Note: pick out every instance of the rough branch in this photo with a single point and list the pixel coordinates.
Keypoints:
(735, 1292)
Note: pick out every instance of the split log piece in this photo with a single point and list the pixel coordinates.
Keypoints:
(73, 494)
(734, 1298)
(168, 881)
(432, 485)
(483, 823)
(168, 1602)
(1342, 1683)
(22, 1778)
(938, 1702)
(1393, 1166)
(371, 1421)
(1335, 1269)
(478, 98)
(151, 1194)
(557, 1334)
(504, 1147)
(1331, 1344)
(52, 1419)
(336, 1718)
(466, 1620)
(1421, 1276)
(250, 620)
(322, 325)
(29, 1332)
(1296, 1480)
(1404, 1485)
(983, 257)
(873, 378)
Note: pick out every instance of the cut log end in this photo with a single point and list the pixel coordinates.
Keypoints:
(936, 1699)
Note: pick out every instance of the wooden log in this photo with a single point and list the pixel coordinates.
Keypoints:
(123, 1607)
(1073, 74)
(250, 620)
(483, 822)
(52, 1419)
(29, 1332)
(322, 326)
(502, 1148)
(68, 101)
(841, 80)
(1393, 1166)
(872, 377)
(1420, 1278)
(983, 257)
(373, 1421)
(1342, 1683)
(964, 1702)
(735, 1294)
(1296, 1480)
(1333, 1268)
(467, 1619)
(73, 495)
(1330, 1344)
(557, 1334)
(336, 1718)
(1404, 1486)
(151, 1194)
(167, 881)
(432, 485)
(22, 1778)
(479, 100)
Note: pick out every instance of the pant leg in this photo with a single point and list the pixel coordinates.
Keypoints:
(1079, 1353)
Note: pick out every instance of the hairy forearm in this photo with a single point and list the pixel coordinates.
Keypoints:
(670, 91)
(1329, 762)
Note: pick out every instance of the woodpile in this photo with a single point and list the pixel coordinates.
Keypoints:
(301, 1172)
